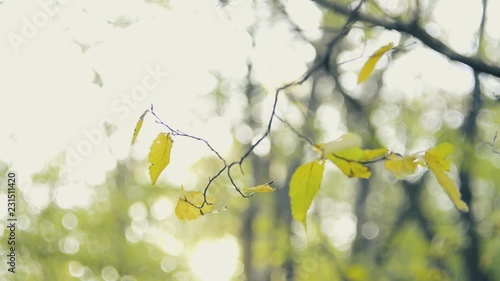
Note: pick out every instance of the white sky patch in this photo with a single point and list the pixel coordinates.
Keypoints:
(59, 105)
(74, 195)
(215, 260)
(306, 15)
(460, 33)
(492, 19)
(38, 197)
(405, 75)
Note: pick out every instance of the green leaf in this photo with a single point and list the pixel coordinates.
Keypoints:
(435, 159)
(304, 186)
(138, 126)
(159, 155)
(369, 65)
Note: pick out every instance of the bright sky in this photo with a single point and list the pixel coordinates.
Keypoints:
(168, 57)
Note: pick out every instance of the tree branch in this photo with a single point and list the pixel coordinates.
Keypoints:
(321, 63)
(413, 29)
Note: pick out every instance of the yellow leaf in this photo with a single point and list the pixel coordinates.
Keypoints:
(351, 161)
(440, 152)
(350, 168)
(159, 155)
(435, 159)
(400, 166)
(138, 126)
(189, 205)
(372, 154)
(361, 155)
(347, 140)
(369, 65)
(304, 186)
(262, 188)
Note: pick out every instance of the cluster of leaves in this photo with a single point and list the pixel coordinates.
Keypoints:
(345, 153)
(191, 204)
(353, 161)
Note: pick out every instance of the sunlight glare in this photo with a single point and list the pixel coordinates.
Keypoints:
(215, 260)
(73, 195)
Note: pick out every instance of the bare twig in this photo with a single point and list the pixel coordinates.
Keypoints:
(182, 134)
(295, 131)
(324, 62)
(493, 144)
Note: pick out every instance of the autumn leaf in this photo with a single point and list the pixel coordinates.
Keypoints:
(370, 154)
(347, 140)
(350, 168)
(352, 161)
(262, 188)
(401, 166)
(159, 155)
(369, 65)
(437, 163)
(138, 126)
(304, 186)
(189, 205)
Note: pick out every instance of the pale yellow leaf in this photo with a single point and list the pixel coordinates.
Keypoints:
(435, 159)
(400, 166)
(440, 152)
(189, 205)
(159, 155)
(372, 154)
(347, 140)
(262, 188)
(351, 169)
(138, 126)
(351, 161)
(304, 186)
(369, 65)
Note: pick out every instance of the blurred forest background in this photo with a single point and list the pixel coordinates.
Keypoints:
(443, 84)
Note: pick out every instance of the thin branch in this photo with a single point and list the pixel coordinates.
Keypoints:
(182, 134)
(493, 144)
(360, 162)
(322, 63)
(295, 131)
(175, 132)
